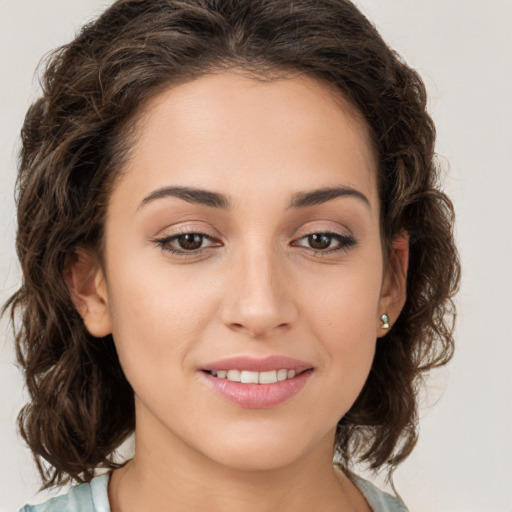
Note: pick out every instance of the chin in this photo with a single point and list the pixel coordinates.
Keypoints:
(269, 452)
(260, 460)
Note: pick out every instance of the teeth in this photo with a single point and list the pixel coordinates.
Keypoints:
(268, 377)
(248, 377)
(282, 374)
(233, 375)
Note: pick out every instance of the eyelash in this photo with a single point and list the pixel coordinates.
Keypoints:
(164, 243)
(345, 243)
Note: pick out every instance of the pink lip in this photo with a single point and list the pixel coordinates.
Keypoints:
(258, 396)
(258, 365)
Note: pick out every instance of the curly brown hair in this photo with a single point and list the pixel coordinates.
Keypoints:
(75, 140)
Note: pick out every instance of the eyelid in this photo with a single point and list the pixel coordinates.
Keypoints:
(345, 241)
(164, 240)
(325, 226)
(185, 228)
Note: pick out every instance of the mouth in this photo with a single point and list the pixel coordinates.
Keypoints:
(257, 383)
(254, 377)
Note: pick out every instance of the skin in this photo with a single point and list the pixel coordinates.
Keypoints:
(256, 287)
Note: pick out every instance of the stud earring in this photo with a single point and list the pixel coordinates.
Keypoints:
(385, 321)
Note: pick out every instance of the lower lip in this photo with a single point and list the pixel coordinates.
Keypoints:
(258, 396)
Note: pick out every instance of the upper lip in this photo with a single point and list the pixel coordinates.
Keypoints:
(253, 364)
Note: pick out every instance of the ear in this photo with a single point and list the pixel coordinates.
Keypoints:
(88, 290)
(394, 286)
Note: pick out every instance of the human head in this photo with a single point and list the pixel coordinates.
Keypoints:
(76, 138)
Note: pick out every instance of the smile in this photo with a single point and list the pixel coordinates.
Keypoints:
(250, 377)
(255, 383)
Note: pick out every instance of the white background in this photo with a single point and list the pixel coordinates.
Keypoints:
(463, 49)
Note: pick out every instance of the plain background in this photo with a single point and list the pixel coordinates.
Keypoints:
(463, 50)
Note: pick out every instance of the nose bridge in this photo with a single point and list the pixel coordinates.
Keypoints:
(257, 301)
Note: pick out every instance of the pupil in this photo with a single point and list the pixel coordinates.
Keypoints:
(190, 241)
(319, 241)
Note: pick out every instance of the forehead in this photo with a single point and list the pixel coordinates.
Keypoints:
(229, 131)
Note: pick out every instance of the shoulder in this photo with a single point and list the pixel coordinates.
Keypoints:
(378, 500)
(90, 497)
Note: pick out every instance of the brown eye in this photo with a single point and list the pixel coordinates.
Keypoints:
(320, 241)
(190, 241)
(187, 243)
(326, 243)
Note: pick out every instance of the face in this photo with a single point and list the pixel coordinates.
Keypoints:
(242, 242)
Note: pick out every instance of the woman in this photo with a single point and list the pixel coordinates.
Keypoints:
(233, 245)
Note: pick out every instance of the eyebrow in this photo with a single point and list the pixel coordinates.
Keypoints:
(216, 200)
(191, 195)
(322, 195)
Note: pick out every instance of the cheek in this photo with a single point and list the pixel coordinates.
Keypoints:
(342, 316)
(346, 301)
(157, 316)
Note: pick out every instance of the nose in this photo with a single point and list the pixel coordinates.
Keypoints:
(258, 299)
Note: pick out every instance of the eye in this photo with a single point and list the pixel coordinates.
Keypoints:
(326, 242)
(186, 243)
(190, 241)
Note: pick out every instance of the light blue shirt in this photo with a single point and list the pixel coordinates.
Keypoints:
(93, 497)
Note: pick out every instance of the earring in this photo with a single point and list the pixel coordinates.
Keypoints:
(385, 321)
